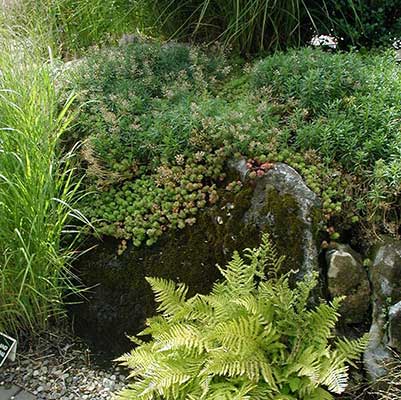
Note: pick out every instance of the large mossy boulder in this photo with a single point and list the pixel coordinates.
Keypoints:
(120, 299)
(385, 277)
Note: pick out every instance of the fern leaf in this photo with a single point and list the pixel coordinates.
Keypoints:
(170, 296)
(321, 394)
(239, 277)
(336, 378)
(181, 336)
(321, 321)
(351, 350)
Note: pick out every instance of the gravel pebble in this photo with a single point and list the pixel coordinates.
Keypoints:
(59, 367)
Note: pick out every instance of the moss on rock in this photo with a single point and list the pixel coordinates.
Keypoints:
(120, 299)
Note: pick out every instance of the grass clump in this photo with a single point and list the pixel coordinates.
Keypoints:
(37, 189)
(72, 26)
(388, 387)
(248, 25)
(252, 337)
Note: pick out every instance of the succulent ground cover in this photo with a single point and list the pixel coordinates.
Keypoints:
(160, 122)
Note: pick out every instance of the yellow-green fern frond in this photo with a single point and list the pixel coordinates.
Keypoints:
(186, 336)
(350, 350)
(322, 320)
(251, 338)
(170, 296)
(239, 277)
(335, 378)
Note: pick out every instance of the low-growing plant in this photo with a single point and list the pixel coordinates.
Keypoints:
(253, 337)
(123, 90)
(349, 110)
(141, 210)
(313, 77)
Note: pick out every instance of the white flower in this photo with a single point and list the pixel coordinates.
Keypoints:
(397, 44)
(324, 40)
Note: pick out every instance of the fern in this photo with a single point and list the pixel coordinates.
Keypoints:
(170, 296)
(253, 337)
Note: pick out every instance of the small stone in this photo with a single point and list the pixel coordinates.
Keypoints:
(347, 277)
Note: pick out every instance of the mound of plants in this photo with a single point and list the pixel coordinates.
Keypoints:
(253, 337)
(124, 90)
(349, 110)
(160, 123)
(158, 137)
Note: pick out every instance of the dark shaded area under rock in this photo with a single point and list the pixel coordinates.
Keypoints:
(120, 299)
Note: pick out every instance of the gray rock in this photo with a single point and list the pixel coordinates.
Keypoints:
(385, 276)
(119, 303)
(346, 276)
(394, 327)
(129, 38)
(283, 205)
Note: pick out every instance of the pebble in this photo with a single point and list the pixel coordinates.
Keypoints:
(51, 373)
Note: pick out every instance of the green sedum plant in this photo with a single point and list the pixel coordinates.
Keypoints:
(252, 337)
(158, 137)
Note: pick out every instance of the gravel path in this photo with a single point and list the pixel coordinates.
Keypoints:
(60, 367)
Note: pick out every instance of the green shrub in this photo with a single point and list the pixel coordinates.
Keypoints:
(313, 77)
(251, 337)
(351, 111)
(123, 90)
(37, 190)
